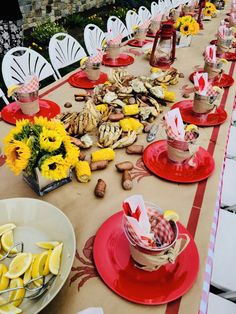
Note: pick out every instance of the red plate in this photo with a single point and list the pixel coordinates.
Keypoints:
(230, 56)
(225, 80)
(214, 42)
(150, 34)
(80, 80)
(156, 160)
(12, 112)
(210, 119)
(122, 60)
(112, 258)
(136, 43)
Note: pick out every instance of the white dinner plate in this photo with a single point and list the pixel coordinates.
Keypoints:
(36, 221)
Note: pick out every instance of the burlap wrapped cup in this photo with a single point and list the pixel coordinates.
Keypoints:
(203, 104)
(113, 50)
(223, 45)
(151, 259)
(140, 34)
(92, 71)
(28, 102)
(213, 69)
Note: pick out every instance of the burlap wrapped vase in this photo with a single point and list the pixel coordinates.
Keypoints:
(28, 102)
(113, 50)
(180, 151)
(92, 71)
(203, 104)
(213, 69)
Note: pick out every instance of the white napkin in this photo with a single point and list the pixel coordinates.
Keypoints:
(92, 310)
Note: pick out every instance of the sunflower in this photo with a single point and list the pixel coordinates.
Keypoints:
(72, 152)
(50, 140)
(185, 29)
(56, 126)
(186, 18)
(207, 12)
(21, 125)
(177, 23)
(55, 168)
(18, 154)
(194, 28)
(42, 121)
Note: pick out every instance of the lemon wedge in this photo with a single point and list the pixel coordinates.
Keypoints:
(7, 241)
(104, 42)
(171, 215)
(155, 70)
(8, 308)
(135, 27)
(4, 281)
(48, 245)
(28, 274)
(82, 61)
(6, 227)
(19, 265)
(55, 259)
(11, 90)
(38, 267)
(46, 270)
(223, 61)
(16, 294)
(191, 127)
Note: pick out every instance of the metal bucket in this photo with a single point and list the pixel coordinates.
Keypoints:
(28, 102)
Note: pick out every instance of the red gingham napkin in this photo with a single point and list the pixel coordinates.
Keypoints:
(96, 58)
(160, 227)
(211, 91)
(31, 85)
(144, 25)
(116, 40)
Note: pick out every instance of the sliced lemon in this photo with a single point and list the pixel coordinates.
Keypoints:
(155, 70)
(28, 274)
(135, 27)
(48, 245)
(82, 61)
(6, 227)
(4, 281)
(7, 241)
(16, 294)
(55, 259)
(38, 267)
(46, 270)
(11, 90)
(171, 215)
(191, 127)
(223, 61)
(8, 308)
(104, 42)
(19, 265)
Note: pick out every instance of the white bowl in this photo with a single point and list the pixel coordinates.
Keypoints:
(36, 221)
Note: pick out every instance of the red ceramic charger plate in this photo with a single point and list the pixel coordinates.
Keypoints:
(214, 42)
(136, 43)
(151, 34)
(224, 80)
(206, 120)
(80, 80)
(12, 112)
(114, 264)
(230, 56)
(156, 160)
(122, 60)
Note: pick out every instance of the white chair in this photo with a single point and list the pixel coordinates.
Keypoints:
(223, 272)
(93, 38)
(132, 19)
(2, 95)
(233, 120)
(116, 26)
(228, 197)
(144, 14)
(218, 305)
(20, 62)
(231, 147)
(64, 50)
(155, 9)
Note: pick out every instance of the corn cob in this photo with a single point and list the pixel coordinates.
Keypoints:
(130, 110)
(83, 171)
(102, 108)
(131, 124)
(169, 96)
(103, 154)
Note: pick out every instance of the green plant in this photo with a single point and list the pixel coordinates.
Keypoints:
(119, 12)
(96, 19)
(42, 33)
(75, 20)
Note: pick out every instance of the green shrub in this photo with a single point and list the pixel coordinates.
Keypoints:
(97, 20)
(42, 33)
(75, 20)
(119, 12)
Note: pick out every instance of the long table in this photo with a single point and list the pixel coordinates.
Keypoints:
(195, 203)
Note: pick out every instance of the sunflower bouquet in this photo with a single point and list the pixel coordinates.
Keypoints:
(43, 145)
(187, 25)
(209, 10)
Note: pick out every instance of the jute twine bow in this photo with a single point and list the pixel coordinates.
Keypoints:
(150, 262)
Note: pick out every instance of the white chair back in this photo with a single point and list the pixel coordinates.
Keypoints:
(155, 8)
(116, 26)
(93, 38)
(144, 14)
(64, 50)
(218, 305)
(132, 19)
(2, 95)
(20, 62)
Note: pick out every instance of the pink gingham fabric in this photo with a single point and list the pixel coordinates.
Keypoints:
(116, 40)
(144, 25)
(161, 229)
(30, 86)
(211, 91)
(97, 58)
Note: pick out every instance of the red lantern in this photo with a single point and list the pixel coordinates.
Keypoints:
(201, 5)
(163, 51)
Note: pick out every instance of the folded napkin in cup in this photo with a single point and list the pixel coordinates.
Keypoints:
(96, 57)
(210, 54)
(174, 124)
(30, 85)
(144, 25)
(203, 86)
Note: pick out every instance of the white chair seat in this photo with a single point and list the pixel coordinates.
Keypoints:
(2, 95)
(223, 273)
(229, 183)
(231, 147)
(218, 305)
